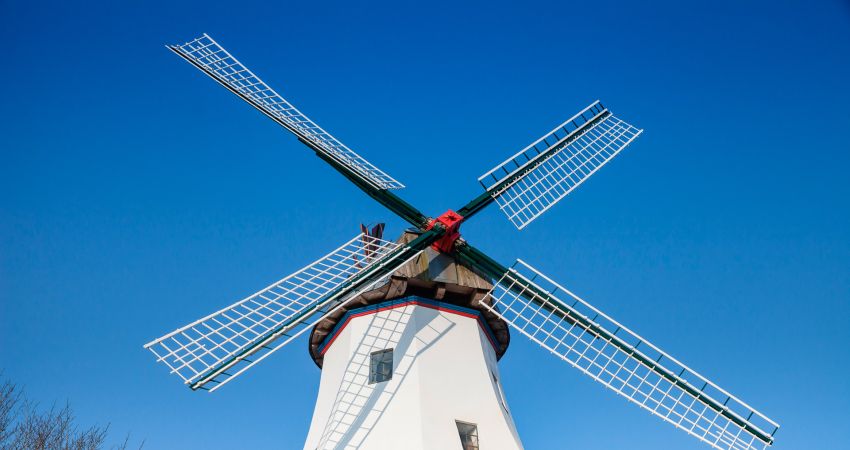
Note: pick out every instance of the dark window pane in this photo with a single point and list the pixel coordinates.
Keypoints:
(381, 366)
(468, 435)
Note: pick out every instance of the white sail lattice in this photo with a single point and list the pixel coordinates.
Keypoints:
(203, 350)
(624, 362)
(529, 183)
(208, 56)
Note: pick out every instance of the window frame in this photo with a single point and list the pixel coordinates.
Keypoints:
(471, 445)
(375, 376)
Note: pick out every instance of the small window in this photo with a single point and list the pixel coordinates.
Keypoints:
(468, 435)
(381, 367)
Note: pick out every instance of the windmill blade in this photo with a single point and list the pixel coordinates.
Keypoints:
(221, 346)
(530, 182)
(205, 54)
(624, 362)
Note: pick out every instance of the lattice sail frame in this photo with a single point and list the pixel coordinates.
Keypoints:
(208, 56)
(608, 352)
(530, 182)
(206, 350)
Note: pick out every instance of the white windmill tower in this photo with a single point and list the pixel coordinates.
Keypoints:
(408, 333)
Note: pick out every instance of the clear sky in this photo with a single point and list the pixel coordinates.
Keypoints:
(137, 196)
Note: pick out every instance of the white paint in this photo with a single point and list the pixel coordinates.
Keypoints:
(443, 370)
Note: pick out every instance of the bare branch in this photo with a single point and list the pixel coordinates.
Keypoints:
(24, 426)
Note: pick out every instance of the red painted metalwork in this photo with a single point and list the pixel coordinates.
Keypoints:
(451, 221)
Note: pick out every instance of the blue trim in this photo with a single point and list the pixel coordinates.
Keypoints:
(364, 310)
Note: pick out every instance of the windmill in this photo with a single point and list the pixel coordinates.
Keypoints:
(408, 333)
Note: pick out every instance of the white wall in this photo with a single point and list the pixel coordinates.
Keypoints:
(443, 370)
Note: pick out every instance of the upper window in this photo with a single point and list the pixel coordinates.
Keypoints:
(381, 366)
(468, 435)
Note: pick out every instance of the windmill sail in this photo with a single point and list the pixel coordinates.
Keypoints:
(222, 345)
(530, 182)
(624, 362)
(205, 54)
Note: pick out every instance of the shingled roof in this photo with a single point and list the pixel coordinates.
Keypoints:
(432, 275)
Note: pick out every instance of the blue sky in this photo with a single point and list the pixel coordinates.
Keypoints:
(138, 195)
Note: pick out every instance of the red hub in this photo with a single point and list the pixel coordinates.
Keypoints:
(450, 220)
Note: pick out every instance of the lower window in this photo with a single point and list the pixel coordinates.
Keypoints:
(468, 435)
